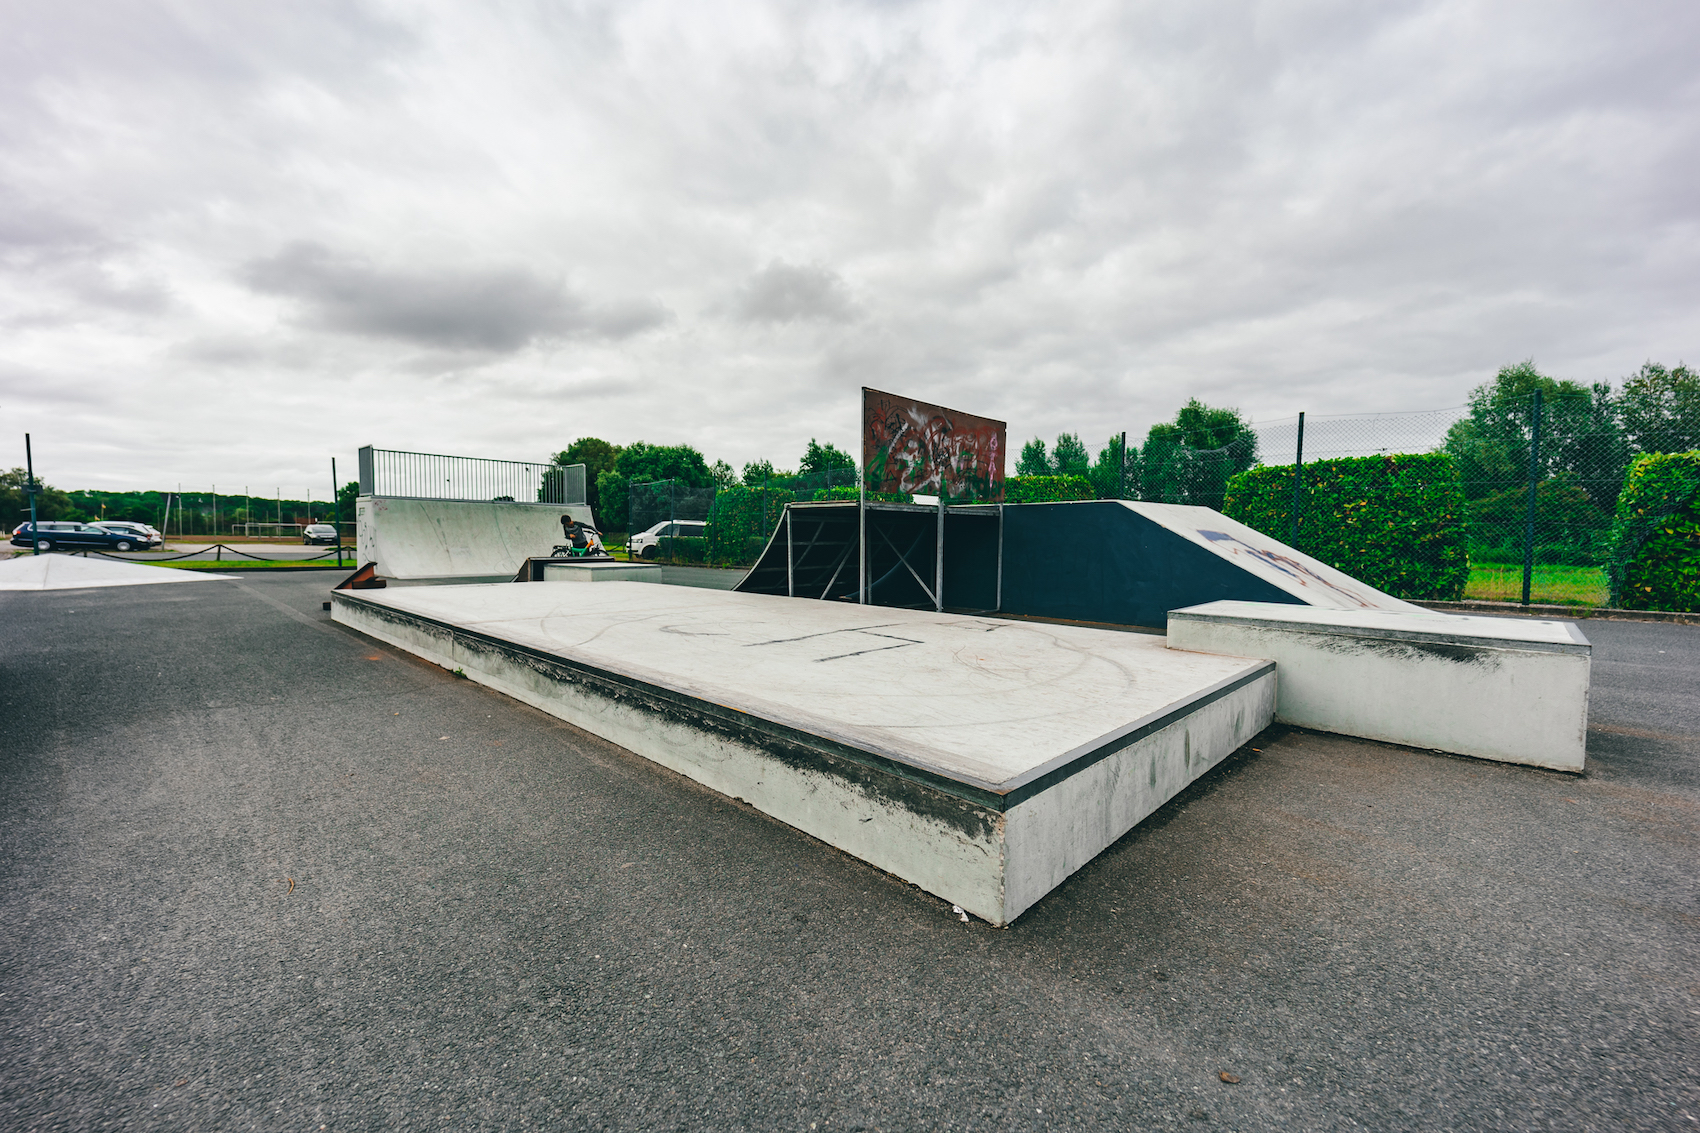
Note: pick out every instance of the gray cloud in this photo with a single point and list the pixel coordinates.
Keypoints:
(498, 310)
(1073, 216)
(788, 293)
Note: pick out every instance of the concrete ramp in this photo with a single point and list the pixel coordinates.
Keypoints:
(1130, 563)
(417, 538)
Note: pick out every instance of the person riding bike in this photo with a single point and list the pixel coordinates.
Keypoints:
(583, 540)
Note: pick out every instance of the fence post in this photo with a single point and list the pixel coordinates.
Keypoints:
(1534, 479)
(29, 460)
(1121, 472)
(1298, 476)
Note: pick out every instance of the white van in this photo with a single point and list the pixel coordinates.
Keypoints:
(646, 544)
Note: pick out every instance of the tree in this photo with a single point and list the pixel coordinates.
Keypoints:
(50, 502)
(1188, 460)
(345, 497)
(1034, 461)
(1581, 439)
(830, 464)
(1069, 457)
(724, 476)
(597, 456)
(758, 472)
(642, 462)
(1660, 409)
(1115, 474)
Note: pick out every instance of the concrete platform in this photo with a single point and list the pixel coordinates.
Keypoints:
(980, 759)
(71, 572)
(579, 570)
(1508, 689)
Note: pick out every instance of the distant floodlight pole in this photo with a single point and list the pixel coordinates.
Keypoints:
(1298, 473)
(29, 460)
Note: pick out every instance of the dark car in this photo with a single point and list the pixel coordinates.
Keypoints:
(318, 533)
(73, 537)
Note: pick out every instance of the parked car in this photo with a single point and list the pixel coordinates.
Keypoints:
(646, 544)
(318, 533)
(58, 536)
(146, 536)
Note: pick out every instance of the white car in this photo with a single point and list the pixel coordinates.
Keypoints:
(647, 544)
(146, 536)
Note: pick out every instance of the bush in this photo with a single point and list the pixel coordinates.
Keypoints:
(741, 517)
(1396, 522)
(1047, 489)
(1655, 542)
(850, 493)
(682, 549)
(1568, 527)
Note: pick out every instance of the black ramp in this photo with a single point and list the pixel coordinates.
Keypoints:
(1101, 561)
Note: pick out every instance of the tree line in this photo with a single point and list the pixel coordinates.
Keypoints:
(191, 513)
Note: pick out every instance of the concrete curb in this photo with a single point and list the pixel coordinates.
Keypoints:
(1574, 613)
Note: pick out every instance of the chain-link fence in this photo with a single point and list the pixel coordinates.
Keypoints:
(1445, 512)
(674, 523)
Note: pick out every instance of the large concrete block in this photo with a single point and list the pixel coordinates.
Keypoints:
(1510, 689)
(982, 760)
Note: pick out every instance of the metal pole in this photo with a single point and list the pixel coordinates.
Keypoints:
(999, 598)
(336, 512)
(29, 460)
(938, 559)
(790, 559)
(1298, 474)
(1121, 481)
(1534, 479)
(862, 511)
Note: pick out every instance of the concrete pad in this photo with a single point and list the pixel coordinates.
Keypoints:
(413, 538)
(1509, 689)
(980, 759)
(581, 570)
(70, 572)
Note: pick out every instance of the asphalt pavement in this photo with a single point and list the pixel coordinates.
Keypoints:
(258, 872)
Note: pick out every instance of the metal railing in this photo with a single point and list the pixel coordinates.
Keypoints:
(432, 476)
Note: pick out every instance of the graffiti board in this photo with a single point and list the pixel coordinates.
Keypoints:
(912, 446)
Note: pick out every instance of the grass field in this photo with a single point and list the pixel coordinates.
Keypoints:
(1558, 585)
(234, 564)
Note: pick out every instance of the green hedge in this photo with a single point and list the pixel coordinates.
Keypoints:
(682, 549)
(1655, 548)
(1396, 522)
(852, 493)
(743, 517)
(1047, 489)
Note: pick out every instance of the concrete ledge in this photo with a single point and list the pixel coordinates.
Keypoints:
(1577, 613)
(868, 737)
(579, 570)
(1508, 689)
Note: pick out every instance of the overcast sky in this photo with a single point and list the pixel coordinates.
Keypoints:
(237, 239)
